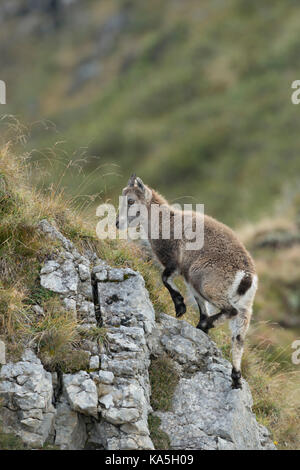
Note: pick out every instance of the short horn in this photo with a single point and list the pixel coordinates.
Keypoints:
(140, 184)
(131, 180)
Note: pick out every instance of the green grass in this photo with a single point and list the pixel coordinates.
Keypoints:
(163, 380)
(38, 294)
(159, 438)
(9, 441)
(95, 333)
(67, 360)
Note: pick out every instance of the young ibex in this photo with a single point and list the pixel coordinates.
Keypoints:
(221, 274)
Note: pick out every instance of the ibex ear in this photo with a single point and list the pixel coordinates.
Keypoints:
(140, 184)
(131, 180)
(145, 190)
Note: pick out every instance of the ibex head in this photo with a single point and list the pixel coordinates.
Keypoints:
(136, 193)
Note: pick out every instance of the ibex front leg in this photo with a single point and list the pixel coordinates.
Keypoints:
(177, 298)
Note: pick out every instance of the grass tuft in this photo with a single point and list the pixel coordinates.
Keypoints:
(159, 438)
(163, 379)
(9, 441)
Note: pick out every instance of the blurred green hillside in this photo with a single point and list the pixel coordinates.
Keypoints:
(194, 96)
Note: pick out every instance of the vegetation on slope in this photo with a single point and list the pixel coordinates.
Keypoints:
(273, 380)
(10, 441)
(163, 380)
(23, 249)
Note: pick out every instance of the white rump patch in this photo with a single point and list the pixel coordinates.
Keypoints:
(243, 301)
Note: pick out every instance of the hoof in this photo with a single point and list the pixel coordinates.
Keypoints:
(203, 327)
(180, 310)
(236, 385)
(236, 377)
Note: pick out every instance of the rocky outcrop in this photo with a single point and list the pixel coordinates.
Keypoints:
(124, 390)
(206, 412)
(107, 406)
(26, 394)
(69, 274)
(81, 393)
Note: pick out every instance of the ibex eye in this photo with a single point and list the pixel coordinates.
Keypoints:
(131, 201)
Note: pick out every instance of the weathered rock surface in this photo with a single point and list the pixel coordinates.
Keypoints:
(81, 392)
(124, 389)
(26, 393)
(107, 406)
(70, 427)
(124, 299)
(2, 352)
(69, 274)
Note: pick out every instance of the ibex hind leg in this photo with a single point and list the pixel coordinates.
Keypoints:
(204, 308)
(203, 312)
(208, 316)
(239, 327)
(242, 297)
(219, 318)
(210, 292)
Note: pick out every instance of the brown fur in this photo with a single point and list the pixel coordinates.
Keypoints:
(211, 271)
